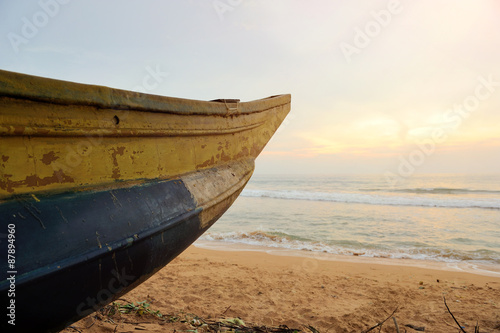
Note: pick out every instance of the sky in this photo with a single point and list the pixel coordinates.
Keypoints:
(388, 87)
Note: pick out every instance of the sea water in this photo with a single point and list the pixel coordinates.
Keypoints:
(446, 218)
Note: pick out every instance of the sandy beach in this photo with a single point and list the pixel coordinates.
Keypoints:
(331, 296)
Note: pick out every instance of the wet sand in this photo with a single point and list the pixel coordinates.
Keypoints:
(330, 295)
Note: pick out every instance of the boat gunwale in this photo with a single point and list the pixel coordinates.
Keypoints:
(121, 132)
(54, 91)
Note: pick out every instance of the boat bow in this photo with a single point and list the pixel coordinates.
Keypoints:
(104, 187)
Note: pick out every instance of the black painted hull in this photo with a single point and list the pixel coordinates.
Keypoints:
(89, 248)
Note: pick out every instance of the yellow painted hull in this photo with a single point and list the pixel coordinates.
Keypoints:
(60, 136)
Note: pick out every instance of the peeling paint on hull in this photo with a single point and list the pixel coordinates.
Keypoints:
(105, 187)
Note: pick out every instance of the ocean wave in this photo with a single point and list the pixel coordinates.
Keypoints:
(375, 199)
(437, 190)
(284, 241)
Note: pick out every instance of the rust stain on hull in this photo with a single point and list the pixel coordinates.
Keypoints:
(49, 158)
(116, 168)
(33, 181)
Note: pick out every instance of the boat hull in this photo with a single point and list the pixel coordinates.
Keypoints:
(104, 187)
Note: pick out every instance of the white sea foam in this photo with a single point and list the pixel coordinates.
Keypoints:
(432, 190)
(375, 199)
(270, 240)
(450, 219)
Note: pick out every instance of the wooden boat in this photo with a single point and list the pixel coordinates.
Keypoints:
(100, 188)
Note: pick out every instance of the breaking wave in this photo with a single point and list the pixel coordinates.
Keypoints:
(437, 190)
(378, 199)
(285, 241)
